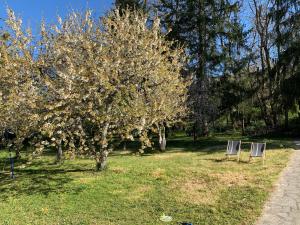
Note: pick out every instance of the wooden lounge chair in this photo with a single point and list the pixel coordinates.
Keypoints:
(234, 148)
(258, 150)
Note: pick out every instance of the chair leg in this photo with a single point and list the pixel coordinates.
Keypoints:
(249, 159)
(239, 157)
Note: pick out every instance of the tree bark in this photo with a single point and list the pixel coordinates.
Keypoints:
(274, 117)
(101, 157)
(17, 146)
(299, 110)
(18, 154)
(243, 125)
(101, 160)
(286, 118)
(194, 132)
(205, 127)
(59, 154)
(162, 137)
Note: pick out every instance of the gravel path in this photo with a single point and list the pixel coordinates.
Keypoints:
(283, 208)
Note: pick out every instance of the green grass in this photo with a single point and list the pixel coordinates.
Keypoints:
(190, 182)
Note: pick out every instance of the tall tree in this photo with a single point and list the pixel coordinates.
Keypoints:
(110, 81)
(131, 4)
(276, 29)
(19, 81)
(214, 39)
(285, 16)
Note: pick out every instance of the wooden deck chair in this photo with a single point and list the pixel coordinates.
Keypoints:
(258, 150)
(234, 148)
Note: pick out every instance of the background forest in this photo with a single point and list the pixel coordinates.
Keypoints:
(244, 59)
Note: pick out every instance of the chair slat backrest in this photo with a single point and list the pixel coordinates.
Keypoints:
(257, 149)
(233, 147)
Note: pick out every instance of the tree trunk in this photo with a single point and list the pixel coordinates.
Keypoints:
(18, 154)
(194, 132)
(243, 125)
(101, 160)
(233, 125)
(275, 121)
(299, 110)
(101, 157)
(274, 117)
(286, 118)
(227, 121)
(59, 154)
(205, 127)
(162, 138)
(17, 148)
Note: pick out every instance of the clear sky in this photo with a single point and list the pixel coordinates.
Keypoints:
(32, 11)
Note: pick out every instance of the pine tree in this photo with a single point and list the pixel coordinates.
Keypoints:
(131, 4)
(214, 39)
(285, 15)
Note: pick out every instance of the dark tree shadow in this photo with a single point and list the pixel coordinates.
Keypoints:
(207, 145)
(222, 160)
(42, 177)
(33, 180)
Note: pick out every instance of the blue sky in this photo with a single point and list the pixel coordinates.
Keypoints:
(32, 11)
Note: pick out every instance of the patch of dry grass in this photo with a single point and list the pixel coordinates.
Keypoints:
(158, 173)
(138, 192)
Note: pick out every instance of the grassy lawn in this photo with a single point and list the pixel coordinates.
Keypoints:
(190, 182)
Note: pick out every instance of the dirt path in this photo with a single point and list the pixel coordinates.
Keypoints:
(283, 208)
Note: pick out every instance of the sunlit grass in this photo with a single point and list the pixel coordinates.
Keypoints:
(190, 182)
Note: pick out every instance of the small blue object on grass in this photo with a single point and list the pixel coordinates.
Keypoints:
(186, 223)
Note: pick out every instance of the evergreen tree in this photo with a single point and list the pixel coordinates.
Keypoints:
(214, 38)
(286, 17)
(131, 4)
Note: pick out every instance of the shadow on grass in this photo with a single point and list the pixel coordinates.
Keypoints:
(222, 160)
(33, 180)
(182, 144)
(42, 177)
(208, 145)
(219, 143)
